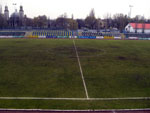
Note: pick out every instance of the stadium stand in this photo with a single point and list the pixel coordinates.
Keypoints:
(72, 34)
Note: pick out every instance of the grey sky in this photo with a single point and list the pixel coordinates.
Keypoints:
(80, 8)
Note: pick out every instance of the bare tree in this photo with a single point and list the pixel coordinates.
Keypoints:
(40, 21)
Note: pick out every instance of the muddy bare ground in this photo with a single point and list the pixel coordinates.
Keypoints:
(114, 47)
(90, 52)
(71, 53)
(20, 41)
(122, 58)
(130, 58)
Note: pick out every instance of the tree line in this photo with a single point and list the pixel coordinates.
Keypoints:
(118, 21)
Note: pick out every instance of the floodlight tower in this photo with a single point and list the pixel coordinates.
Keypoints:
(1, 9)
(130, 10)
(14, 4)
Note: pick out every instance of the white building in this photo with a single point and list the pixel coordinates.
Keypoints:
(138, 28)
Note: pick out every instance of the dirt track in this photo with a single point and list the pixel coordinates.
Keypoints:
(119, 111)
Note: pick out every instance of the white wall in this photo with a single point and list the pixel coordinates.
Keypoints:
(129, 28)
(147, 31)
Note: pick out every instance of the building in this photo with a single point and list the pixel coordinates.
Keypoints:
(21, 12)
(16, 19)
(138, 28)
(6, 13)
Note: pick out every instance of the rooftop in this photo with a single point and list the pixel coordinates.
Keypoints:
(140, 25)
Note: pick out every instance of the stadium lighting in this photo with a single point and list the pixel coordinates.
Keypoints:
(14, 4)
(130, 10)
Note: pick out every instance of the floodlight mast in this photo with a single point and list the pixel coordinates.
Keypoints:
(130, 10)
(14, 4)
(1, 7)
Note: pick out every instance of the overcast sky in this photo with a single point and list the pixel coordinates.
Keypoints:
(79, 8)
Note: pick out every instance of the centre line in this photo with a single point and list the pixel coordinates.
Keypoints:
(86, 92)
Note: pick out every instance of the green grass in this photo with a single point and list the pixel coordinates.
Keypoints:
(39, 68)
(121, 69)
(74, 105)
(49, 68)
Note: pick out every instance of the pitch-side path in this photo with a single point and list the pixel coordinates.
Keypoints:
(74, 111)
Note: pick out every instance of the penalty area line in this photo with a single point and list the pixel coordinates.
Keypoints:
(75, 99)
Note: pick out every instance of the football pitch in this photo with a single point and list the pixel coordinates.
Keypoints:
(74, 74)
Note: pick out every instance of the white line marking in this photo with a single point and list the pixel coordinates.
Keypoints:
(113, 111)
(81, 70)
(81, 99)
(102, 110)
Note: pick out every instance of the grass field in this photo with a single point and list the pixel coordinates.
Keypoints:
(49, 68)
